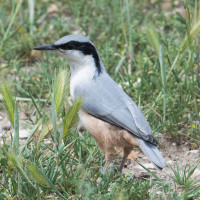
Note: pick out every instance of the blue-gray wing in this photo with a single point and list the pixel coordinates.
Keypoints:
(104, 99)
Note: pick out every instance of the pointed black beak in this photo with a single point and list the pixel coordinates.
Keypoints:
(48, 47)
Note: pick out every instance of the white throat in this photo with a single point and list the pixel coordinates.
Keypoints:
(82, 72)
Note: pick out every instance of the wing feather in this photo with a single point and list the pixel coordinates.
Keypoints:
(104, 99)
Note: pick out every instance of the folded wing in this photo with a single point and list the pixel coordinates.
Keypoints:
(105, 100)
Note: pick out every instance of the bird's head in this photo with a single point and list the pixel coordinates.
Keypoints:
(77, 49)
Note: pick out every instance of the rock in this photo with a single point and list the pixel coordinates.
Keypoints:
(196, 174)
(4, 122)
(142, 175)
(147, 165)
(47, 141)
(194, 151)
(169, 162)
(23, 134)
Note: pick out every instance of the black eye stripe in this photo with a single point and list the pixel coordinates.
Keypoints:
(85, 47)
(63, 46)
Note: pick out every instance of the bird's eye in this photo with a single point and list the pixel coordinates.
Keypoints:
(70, 46)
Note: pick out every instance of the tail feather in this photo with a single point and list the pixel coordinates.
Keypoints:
(152, 153)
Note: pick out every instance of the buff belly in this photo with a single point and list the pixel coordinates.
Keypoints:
(110, 139)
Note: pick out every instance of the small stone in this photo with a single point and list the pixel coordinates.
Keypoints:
(23, 133)
(143, 175)
(169, 162)
(5, 127)
(47, 141)
(194, 151)
(196, 174)
(148, 166)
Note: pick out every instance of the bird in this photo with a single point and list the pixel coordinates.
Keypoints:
(107, 112)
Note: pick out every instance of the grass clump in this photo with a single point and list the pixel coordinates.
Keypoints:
(182, 176)
(126, 188)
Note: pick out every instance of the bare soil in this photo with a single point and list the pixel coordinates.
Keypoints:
(183, 152)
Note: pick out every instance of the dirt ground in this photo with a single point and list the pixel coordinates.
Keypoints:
(183, 152)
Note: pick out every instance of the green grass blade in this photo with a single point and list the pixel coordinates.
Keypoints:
(194, 192)
(23, 99)
(35, 104)
(70, 118)
(173, 65)
(41, 179)
(117, 68)
(11, 21)
(130, 46)
(154, 41)
(32, 132)
(150, 172)
(38, 192)
(18, 185)
(162, 66)
(31, 7)
(192, 34)
(60, 90)
(192, 169)
(153, 38)
(5, 177)
(163, 75)
(16, 128)
(54, 120)
(8, 103)
(60, 137)
(48, 128)
(17, 163)
(38, 176)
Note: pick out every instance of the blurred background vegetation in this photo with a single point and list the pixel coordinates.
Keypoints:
(149, 47)
(121, 31)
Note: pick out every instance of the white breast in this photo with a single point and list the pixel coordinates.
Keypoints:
(81, 74)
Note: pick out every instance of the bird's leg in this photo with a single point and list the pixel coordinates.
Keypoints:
(109, 157)
(122, 163)
(126, 153)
